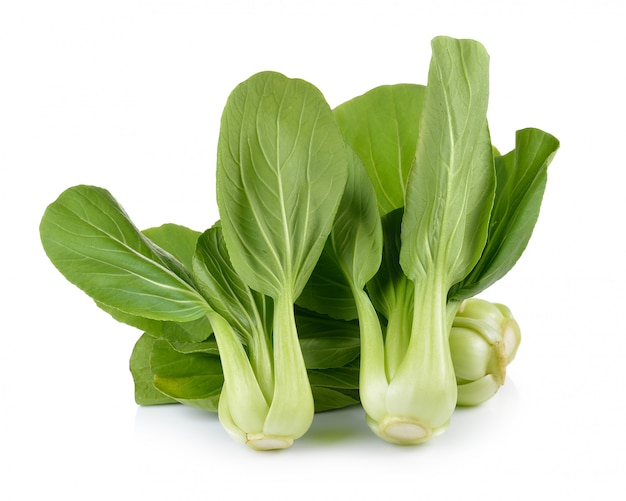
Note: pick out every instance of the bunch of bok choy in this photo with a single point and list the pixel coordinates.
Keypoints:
(344, 266)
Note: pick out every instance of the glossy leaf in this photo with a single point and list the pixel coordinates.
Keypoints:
(209, 347)
(92, 242)
(382, 126)
(181, 243)
(521, 179)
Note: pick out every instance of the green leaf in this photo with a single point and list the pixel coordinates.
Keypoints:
(382, 126)
(189, 332)
(181, 243)
(194, 378)
(391, 292)
(521, 178)
(448, 201)
(353, 252)
(327, 291)
(145, 391)
(390, 281)
(451, 186)
(280, 175)
(356, 235)
(326, 342)
(342, 377)
(247, 311)
(92, 242)
(209, 347)
(327, 399)
(178, 240)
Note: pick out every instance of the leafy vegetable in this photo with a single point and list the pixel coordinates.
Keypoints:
(280, 175)
(483, 341)
(522, 176)
(444, 227)
(343, 269)
(89, 238)
(456, 234)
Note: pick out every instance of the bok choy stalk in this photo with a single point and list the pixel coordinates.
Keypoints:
(449, 194)
(393, 209)
(92, 242)
(280, 176)
(456, 234)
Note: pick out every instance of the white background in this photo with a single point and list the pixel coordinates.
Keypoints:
(128, 95)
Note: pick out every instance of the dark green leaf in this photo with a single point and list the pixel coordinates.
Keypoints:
(190, 378)
(521, 177)
(184, 332)
(343, 377)
(92, 242)
(390, 282)
(326, 342)
(356, 235)
(145, 391)
(327, 399)
(328, 291)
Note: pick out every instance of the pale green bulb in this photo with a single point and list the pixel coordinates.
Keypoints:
(483, 340)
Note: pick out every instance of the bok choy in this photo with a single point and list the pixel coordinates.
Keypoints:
(343, 267)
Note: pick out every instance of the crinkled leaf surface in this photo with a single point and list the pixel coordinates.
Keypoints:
(280, 175)
(382, 126)
(92, 242)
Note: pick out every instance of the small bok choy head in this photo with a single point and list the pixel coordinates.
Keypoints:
(281, 172)
(483, 341)
(282, 167)
(456, 216)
